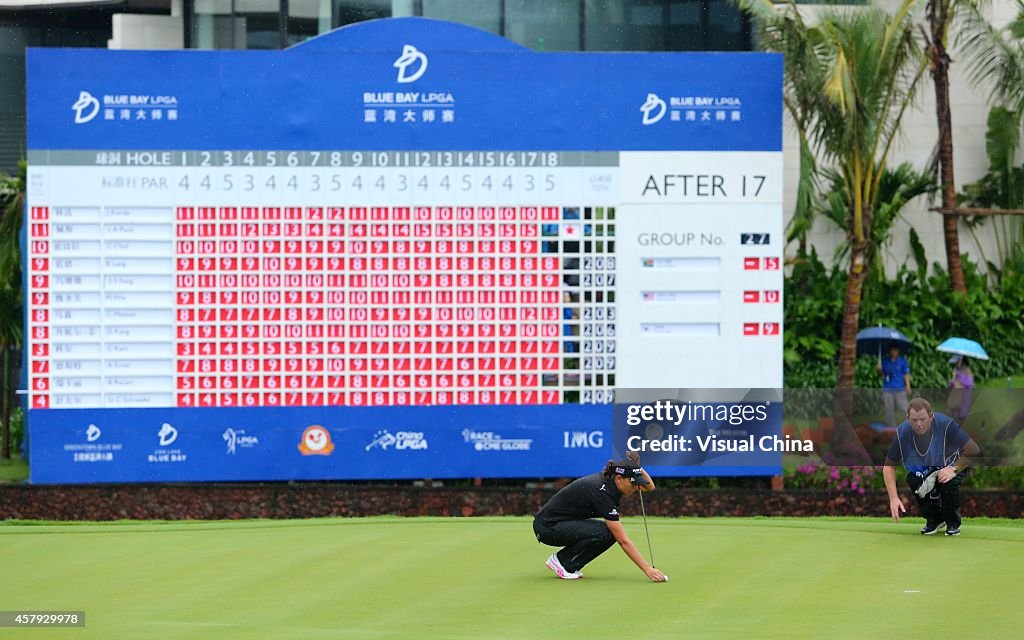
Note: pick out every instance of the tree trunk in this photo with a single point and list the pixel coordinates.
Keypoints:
(844, 443)
(938, 16)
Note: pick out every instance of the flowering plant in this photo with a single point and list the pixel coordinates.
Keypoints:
(819, 476)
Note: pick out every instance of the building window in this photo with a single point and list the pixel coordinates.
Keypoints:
(235, 24)
(307, 19)
(485, 14)
(543, 26)
(352, 11)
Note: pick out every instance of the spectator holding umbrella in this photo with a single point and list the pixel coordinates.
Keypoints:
(961, 386)
(894, 369)
(895, 374)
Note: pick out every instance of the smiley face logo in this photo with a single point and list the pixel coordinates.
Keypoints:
(316, 441)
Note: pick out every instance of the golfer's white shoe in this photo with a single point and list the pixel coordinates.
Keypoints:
(560, 571)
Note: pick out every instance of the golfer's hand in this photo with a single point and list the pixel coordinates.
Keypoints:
(896, 507)
(655, 575)
(946, 474)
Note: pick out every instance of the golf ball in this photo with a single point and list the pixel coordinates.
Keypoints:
(666, 578)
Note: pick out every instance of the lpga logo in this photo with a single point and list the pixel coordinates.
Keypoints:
(410, 56)
(85, 108)
(653, 109)
(235, 439)
(384, 439)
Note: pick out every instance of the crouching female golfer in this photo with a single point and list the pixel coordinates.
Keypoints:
(584, 519)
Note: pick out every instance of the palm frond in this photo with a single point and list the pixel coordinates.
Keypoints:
(994, 60)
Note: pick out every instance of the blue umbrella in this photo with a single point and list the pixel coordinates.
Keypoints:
(963, 347)
(875, 340)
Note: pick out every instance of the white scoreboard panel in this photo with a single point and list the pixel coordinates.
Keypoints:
(240, 278)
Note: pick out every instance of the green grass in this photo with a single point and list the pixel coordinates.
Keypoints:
(485, 578)
(1016, 382)
(13, 470)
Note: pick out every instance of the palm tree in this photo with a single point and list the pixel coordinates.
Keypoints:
(12, 201)
(849, 78)
(997, 56)
(897, 187)
(940, 14)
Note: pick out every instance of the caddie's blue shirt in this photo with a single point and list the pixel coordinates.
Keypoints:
(893, 372)
(938, 448)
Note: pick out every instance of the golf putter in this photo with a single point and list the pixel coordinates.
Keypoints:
(650, 551)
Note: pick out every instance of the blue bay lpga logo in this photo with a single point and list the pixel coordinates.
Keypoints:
(409, 59)
(689, 108)
(85, 108)
(653, 109)
(423, 107)
(125, 107)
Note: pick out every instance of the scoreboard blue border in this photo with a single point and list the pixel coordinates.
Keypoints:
(316, 96)
(312, 96)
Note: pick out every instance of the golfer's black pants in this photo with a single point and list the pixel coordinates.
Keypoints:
(942, 504)
(583, 540)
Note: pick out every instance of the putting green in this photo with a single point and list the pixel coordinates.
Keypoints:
(485, 578)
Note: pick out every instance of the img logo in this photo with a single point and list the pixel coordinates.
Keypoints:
(85, 108)
(653, 109)
(410, 56)
(316, 441)
(582, 439)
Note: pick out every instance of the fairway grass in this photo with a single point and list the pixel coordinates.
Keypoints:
(458, 578)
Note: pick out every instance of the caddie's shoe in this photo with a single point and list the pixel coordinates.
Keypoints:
(932, 528)
(927, 484)
(559, 570)
(955, 531)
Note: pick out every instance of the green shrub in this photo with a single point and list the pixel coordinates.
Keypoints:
(17, 429)
(925, 308)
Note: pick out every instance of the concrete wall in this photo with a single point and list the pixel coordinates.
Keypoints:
(141, 31)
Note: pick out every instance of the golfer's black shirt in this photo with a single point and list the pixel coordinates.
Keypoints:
(591, 496)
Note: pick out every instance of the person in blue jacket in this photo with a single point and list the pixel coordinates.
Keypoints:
(895, 374)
